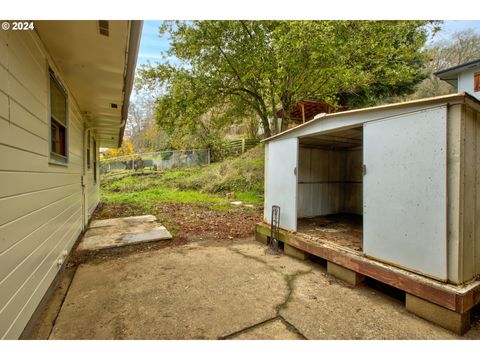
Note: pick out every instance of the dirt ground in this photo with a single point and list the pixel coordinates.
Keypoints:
(341, 229)
(192, 289)
(197, 220)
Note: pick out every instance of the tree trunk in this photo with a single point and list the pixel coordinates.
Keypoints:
(286, 101)
(285, 116)
(274, 109)
(285, 120)
(266, 126)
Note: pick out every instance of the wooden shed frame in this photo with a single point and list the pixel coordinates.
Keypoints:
(440, 264)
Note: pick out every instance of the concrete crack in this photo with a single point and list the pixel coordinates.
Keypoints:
(241, 331)
(290, 279)
(251, 257)
(291, 327)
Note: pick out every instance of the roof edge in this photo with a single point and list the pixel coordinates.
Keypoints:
(456, 67)
(443, 98)
(132, 56)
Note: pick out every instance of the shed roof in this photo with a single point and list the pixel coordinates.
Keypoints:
(462, 97)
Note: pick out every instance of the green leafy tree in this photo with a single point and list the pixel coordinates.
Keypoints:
(226, 67)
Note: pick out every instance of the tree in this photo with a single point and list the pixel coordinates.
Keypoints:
(226, 67)
(125, 149)
(460, 47)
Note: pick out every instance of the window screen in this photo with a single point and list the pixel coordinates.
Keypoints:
(58, 121)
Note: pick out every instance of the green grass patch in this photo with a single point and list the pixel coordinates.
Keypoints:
(214, 185)
(221, 207)
(152, 196)
(249, 197)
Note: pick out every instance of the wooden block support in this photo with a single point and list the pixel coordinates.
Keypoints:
(349, 276)
(448, 319)
(450, 297)
(294, 252)
(261, 238)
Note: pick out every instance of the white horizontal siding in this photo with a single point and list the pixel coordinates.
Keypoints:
(20, 205)
(24, 301)
(4, 107)
(15, 230)
(16, 183)
(15, 136)
(41, 212)
(26, 120)
(26, 264)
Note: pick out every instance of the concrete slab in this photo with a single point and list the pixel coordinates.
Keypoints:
(322, 307)
(104, 234)
(190, 292)
(220, 289)
(271, 330)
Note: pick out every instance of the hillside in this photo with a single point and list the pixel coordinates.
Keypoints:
(192, 201)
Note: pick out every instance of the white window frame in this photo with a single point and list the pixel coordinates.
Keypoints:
(53, 157)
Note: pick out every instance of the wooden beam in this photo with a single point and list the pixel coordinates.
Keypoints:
(337, 139)
(303, 112)
(438, 293)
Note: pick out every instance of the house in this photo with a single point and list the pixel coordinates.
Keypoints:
(464, 77)
(64, 92)
(391, 192)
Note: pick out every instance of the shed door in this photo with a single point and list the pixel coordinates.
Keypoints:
(281, 181)
(405, 191)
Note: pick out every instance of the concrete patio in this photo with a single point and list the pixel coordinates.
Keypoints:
(220, 290)
(118, 232)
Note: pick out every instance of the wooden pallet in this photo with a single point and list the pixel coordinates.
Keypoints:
(455, 300)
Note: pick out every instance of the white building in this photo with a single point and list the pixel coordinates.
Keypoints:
(464, 77)
(381, 190)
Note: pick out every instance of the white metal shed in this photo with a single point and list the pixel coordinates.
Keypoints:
(409, 171)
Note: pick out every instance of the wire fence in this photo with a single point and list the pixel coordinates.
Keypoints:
(155, 161)
(237, 147)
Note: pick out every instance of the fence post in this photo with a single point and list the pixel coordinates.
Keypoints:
(208, 156)
(243, 145)
(133, 163)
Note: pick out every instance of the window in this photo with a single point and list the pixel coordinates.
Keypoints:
(58, 121)
(88, 149)
(476, 82)
(95, 161)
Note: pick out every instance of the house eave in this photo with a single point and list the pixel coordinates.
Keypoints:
(133, 48)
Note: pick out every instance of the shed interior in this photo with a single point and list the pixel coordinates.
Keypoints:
(330, 187)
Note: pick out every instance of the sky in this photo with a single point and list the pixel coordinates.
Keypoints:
(152, 45)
